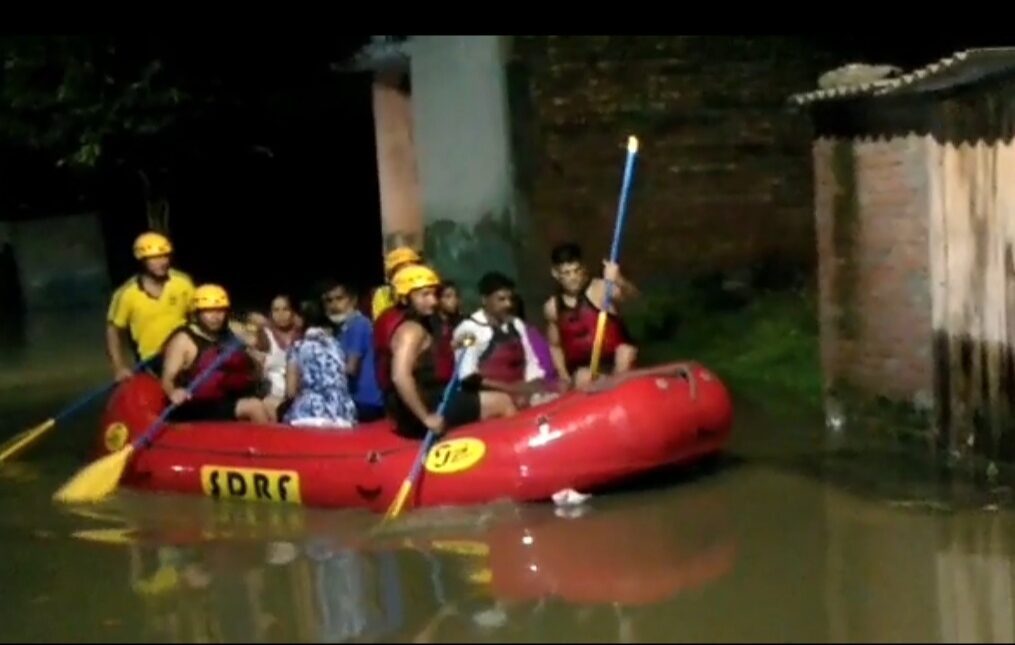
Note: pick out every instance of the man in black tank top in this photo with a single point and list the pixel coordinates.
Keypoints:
(417, 391)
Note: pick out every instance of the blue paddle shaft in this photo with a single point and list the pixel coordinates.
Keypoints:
(431, 435)
(230, 349)
(95, 394)
(618, 231)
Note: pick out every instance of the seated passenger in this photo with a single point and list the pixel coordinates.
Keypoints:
(274, 340)
(440, 325)
(501, 359)
(408, 370)
(255, 320)
(444, 321)
(449, 305)
(229, 391)
(316, 381)
(356, 336)
(572, 316)
(540, 346)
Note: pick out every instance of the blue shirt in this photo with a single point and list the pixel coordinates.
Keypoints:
(357, 339)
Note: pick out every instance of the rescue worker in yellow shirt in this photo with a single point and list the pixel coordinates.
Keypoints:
(149, 306)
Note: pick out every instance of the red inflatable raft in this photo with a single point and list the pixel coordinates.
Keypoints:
(585, 440)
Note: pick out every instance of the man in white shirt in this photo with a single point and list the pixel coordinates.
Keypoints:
(501, 358)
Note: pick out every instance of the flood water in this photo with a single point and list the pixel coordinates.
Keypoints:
(794, 535)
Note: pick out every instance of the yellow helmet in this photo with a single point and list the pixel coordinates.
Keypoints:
(209, 296)
(401, 255)
(150, 245)
(416, 276)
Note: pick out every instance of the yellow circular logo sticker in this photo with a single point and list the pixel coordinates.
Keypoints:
(116, 436)
(455, 455)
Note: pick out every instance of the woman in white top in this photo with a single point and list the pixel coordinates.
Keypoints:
(274, 340)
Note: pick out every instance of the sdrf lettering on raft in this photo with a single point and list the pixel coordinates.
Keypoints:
(258, 484)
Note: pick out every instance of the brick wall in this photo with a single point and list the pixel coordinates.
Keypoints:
(724, 175)
(873, 266)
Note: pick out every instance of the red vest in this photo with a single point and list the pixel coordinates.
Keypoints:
(577, 326)
(444, 354)
(384, 331)
(504, 358)
(233, 378)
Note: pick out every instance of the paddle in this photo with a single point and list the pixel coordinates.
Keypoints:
(449, 390)
(99, 478)
(21, 441)
(625, 192)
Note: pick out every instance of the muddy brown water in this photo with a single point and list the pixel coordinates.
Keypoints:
(794, 535)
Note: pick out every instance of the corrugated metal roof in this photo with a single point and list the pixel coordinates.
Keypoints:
(961, 68)
(382, 52)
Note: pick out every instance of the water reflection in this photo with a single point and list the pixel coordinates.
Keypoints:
(628, 554)
(975, 573)
(940, 575)
(263, 573)
(859, 545)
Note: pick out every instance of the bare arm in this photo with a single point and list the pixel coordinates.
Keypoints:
(553, 338)
(623, 290)
(177, 357)
(114, 349)
(405, 348)
(292, 380)
(626, 289)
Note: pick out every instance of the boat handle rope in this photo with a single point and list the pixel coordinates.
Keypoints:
(677, 369)
(692, 381)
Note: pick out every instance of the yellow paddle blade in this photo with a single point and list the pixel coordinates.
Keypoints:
(481, 576)
(96, 480)
(21, 441)
(107, 536)
(165, 579)
(95, 515)
(399, 501)
(470, 548)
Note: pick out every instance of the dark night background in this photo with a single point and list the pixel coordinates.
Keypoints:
(274, 184)
(293, 150)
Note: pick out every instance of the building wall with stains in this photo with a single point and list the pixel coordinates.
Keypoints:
(723, 179)
(914, 209)
(519, 145)
(873, 265)
(971, 219)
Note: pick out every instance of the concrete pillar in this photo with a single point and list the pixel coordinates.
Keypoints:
(401, 210)
(462, 135)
